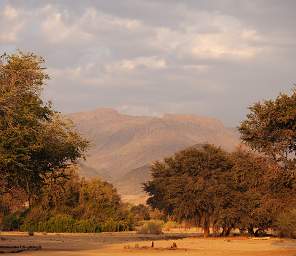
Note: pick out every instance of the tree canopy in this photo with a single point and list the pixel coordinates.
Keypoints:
(35, 140)
(270, 128)
(221, 190)
(77, 205)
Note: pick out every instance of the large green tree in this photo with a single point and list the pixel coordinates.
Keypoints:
(35, 141)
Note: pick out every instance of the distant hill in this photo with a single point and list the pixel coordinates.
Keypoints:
(132, 182)
(124, 146)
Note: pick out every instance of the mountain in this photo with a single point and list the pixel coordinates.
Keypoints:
(123, 146)
(132, 182)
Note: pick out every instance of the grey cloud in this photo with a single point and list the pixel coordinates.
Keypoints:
(205, 57)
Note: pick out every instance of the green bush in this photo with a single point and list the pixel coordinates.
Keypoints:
(67, 224)
(86, 226)
(10, 222)
(59, 224)
(286, 224)
(115, 226)
(151, 227)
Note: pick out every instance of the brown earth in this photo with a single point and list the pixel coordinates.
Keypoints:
(129, 243)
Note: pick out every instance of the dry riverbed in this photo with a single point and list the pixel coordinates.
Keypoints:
(129, 243)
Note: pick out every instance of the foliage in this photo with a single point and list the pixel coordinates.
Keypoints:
(270, 128)
(170, 225)
(140, 213)
(35, 141)
(186, 184)
(151, 227)
(73, 204)
(10, 222)
(286, 224)
(210, 187)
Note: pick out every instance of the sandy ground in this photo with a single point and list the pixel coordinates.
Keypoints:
(128, 243)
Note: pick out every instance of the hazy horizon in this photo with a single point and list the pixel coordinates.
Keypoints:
(209, 58)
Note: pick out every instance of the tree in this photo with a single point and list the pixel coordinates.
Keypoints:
(187, 184)
(245, 201)
(73, 204)
(35, 141)
(270, 128)
(140, 213)
(211, 187)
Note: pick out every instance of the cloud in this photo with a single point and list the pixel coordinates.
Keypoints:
(59, 26)
(56, 30)
(207, 57)
(9, 12)
(127, 65)
(214, 36)
(11, 25)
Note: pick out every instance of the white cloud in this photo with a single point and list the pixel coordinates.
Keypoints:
(222, 46)
(94, 19)
(57, 30)
(11, 24)
(128, 65)
(9, 12)
(58, 26)
(209, 36)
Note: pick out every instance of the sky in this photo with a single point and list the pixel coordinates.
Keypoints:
(150, 57)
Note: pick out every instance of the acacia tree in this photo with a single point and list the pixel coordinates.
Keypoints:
(247, 202)
(270, 128)
(35, 141)
(187, 184)
(223, 190)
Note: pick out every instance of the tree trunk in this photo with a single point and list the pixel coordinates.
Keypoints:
(29, 194)
(228, 230)
(251, 231)
(206, 226)
(206, 231)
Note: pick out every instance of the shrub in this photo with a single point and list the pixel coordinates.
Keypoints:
(59, 224)
(10, 222)
(151, 227)
(286, 224)
(86, 226)
(169, 225)
(140, 213)
(67, 224)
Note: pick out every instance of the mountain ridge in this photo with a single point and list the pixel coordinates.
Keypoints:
(122, 143)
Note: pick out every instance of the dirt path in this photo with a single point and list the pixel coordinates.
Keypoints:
(126, 244)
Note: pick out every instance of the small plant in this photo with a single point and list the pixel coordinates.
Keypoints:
(151, 227)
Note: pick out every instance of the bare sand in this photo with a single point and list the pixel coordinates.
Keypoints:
(130, 243)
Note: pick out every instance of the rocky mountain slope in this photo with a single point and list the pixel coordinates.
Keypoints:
(123, 146)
